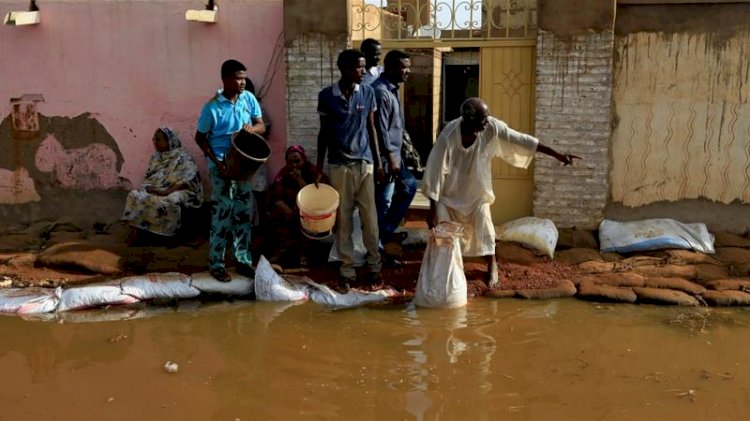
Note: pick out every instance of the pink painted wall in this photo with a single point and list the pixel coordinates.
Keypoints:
(135, 66)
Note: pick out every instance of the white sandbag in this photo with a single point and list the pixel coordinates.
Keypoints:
(270, 286)
(442, 282)
(29, 300)
(536, 233)
(239, 285)
(321, 294)
(654, 234)
(94, 295)
(152, 286)
(360, 252)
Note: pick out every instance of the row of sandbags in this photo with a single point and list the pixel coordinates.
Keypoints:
(267, 286)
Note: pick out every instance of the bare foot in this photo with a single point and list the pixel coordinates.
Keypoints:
(492, 278)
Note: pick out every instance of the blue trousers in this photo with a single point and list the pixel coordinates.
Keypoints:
(393, 199)
(231, 212)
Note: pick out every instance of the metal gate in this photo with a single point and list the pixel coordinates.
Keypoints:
(504, 31)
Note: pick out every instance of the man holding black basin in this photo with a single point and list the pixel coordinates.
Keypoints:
(232, 109)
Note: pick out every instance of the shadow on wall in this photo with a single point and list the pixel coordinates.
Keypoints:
(66, 169)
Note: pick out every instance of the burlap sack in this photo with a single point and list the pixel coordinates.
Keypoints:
(733, 255)
(501, 293)
(689, 257)
(597, 267)
(666, 271)
(664, 296)
(727, 239)
(564, 288)
(574, 238)
(590, 291)
(726, 298)
(637, 261)
(578, 255)
(675, 283)
(611, 257)
(707, 272)
(514, 253)
(18, 242)
(617, 279)
(80, 255)
(737, 284)
(742, 269)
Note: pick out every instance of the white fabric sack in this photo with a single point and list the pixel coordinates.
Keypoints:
(654, 234)
(239, 285)
(152, 286)
(537, 233)
(29, 300)
(360, 252)
(270, 286)
(94, 295)
(323, 295)
(442, 282)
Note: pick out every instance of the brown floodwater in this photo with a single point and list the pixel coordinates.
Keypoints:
(495, 359)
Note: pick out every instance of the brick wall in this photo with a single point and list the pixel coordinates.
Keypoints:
(311, 66)
(574, 114)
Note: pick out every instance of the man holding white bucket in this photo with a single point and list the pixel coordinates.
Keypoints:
(232, 109)
(347, 133)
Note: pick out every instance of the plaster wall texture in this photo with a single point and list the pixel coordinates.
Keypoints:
(110, 73)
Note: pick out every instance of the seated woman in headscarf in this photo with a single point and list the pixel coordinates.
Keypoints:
(283, 213)
(172, 181)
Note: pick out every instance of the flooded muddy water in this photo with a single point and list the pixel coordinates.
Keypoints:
(506, 359)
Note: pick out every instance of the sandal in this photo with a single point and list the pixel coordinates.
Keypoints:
(220, 274)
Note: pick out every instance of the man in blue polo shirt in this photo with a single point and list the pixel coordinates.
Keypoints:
(347, 133)
(232, 109)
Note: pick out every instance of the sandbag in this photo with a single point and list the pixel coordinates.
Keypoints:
(442, 281)
(616, 279)
(726, 298)
(739, 284)
(664, 296)
(666, 271)
(321, 294)
(537, 233)
(636, 261)
(688, 257)
(239, 286)
(576, 256)
(575, 238)
(727, 239)
(654, 234)
(94, 295)
(733, 255)
(29, 300)
(153, 286)
(675, 283)
(707, 272)
(597, 267)
(78, 254)
(270, 286)
(591, 291)
(516, 253)
(501, 293)
(564, 288)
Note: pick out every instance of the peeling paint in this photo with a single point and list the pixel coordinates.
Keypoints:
(88, 168)
(16, 187)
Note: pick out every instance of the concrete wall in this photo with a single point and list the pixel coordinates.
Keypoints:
(681, 142)
(109, 74)
(573, 109)
(313, 42)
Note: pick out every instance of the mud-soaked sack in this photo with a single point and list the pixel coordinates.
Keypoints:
(617, 279)
(564, 288)
(537, 233)
(591, 291)
(733, 255)
(738, 284)
(597, 267)
(238, 286)
(321, 294)
(675, 283)
(665, 296)
(726, 298)
(442, 282)
(159, 286)
(727, 239)
(94, 295)
(270, 286)
(577, 256)
(687, 257)
(79, 254)
(29, 300)
(666, 271)
(654, 234)
(708, 272)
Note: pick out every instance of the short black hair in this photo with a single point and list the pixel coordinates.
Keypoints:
(230, 67)
(368, 45)
(393, 58)
(348, 58)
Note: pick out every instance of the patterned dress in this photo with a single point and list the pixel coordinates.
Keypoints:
(163, 214)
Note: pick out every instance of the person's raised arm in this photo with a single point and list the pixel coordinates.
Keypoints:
(566, 158)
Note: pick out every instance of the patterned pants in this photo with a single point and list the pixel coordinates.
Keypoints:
(231, 210)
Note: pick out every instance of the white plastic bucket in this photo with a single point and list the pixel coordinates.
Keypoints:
(317, 210)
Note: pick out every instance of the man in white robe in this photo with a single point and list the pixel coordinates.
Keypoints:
(458, 175)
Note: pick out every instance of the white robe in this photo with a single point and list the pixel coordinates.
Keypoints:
(460, 179)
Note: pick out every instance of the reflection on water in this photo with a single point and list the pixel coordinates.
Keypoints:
(493, 359)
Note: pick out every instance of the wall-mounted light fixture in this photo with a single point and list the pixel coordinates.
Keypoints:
(207, 15)
(21, 17)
